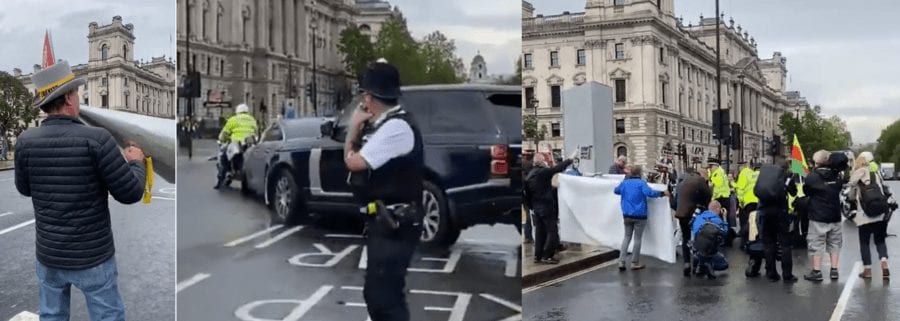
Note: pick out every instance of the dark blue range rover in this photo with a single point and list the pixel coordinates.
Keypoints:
(472, 135)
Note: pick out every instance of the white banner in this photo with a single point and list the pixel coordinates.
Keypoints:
(590, 213)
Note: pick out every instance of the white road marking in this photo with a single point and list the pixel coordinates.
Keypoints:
(511, 259)
(279, 237)
(567, 277)
(845, 294)
(323, 251)
(302, 308)
(189, 282)
(458, 311)
(449, 266)
(355, 304)
(163, 198)
(167, 190)
(5, 214)
(252, 236)
(25, 316)
(348, 236)
(351, 288)
(20, 225)
(502, 302)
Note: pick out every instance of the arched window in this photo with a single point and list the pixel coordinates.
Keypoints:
(125, 52)
(622, 151)
(104, 52)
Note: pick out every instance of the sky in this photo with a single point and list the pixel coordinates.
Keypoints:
(493, 27)
(23, 22)
(840, 55)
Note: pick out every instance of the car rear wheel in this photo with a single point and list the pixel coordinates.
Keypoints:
(285, 197)
(437, 227)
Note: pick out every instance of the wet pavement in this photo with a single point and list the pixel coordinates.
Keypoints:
(145, 252)
(235, 265)
(660, 292)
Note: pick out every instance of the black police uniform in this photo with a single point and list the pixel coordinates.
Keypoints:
(399, 185)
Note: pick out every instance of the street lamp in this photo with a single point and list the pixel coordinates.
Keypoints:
(313, 25)
(534, 104)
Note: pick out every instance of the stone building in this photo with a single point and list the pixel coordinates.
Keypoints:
(371, 14)
(115, 80)
(663, 76)
(261, 52)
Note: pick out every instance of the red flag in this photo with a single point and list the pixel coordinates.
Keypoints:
(48, 59)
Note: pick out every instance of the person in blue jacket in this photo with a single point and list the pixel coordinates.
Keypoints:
(707, 240)
(634, 191)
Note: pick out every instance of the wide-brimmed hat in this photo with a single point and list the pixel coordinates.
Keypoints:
(381, 80)
(54, 81)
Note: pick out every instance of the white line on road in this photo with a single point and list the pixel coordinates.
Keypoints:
(349, 287)
(25, 316)
(163, 198)
(348, 236)
(567, 277)
(460, 305)
(279, 237)
(5, 214)
(20, 225)
(845, 295)
(193, 280)
(502, 302)
(252, 236)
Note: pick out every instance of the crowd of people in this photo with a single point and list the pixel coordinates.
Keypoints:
(769, 207)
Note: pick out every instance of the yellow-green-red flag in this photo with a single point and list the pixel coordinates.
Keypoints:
(798, 161)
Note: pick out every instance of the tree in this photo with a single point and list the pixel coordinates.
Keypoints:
(530, 129)
(815, 132)
(888, 150)
(438, 56)
(16, 111)
(357, 50)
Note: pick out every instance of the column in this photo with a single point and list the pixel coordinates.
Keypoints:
(290, 30)
(262, 24)
(278, 27)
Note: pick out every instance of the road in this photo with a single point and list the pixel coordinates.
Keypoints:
(660, 292)
(145, 253)
(233, 264)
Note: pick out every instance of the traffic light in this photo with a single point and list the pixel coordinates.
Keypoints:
(736, 136)
(309, 91)
(190, 87)
(720, 125)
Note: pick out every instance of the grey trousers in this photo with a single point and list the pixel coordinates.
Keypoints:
(636, 227)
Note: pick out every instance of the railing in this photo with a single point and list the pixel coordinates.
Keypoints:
(156, 136)
(555, 22)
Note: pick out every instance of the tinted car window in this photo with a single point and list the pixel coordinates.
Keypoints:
(303, 128)
(508, 111)
(416, 103)
(460, 112)
(273, 134)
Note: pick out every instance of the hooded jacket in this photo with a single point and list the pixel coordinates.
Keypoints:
(635, 192)
(823, 187)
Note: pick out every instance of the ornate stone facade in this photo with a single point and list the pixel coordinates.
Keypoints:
(663, 75)
(249, 51)
(115, 80)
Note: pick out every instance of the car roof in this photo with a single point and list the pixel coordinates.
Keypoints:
(464, 87)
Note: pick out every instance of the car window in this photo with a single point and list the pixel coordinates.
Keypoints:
(272, 134)
(302, 128)
(460, 112)
(507, 110)
(416, 104)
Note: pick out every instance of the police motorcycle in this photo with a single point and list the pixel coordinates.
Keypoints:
(234, 153)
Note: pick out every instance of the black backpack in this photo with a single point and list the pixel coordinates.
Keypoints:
(872, 198)
(708, 239)
(771, 186)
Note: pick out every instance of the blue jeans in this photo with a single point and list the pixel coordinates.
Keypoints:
(99, 285)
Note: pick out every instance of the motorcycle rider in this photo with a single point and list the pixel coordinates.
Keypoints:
(236, 129)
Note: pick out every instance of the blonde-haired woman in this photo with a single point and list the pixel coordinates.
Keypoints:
(869, 226)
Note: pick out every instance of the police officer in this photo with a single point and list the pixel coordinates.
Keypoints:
(384, 153)
(721, 190)
(747, 201)
(236, 129)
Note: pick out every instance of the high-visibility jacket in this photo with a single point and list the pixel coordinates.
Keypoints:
(744, 187)
(238, 127)
(719, 183)
(792, 198)
(873, 167)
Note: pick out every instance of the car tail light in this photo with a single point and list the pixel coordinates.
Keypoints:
(499, 163)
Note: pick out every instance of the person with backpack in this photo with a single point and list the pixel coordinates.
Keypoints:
(772, 188)
(872, 207)
(693, 193)
(823, 187)
(708, 231)
(634, 191)
(541, 198)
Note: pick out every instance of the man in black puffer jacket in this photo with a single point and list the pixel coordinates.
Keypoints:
(823, 187)
(69, 170)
